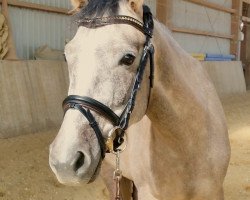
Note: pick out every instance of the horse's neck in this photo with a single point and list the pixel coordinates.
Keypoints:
(176, 115)
(181, 85)
(182, 108)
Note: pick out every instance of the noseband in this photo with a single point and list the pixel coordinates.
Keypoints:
(86, 104)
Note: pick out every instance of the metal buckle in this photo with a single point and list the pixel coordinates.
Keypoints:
(110, 141)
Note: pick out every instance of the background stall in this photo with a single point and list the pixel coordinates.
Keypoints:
(34, 81)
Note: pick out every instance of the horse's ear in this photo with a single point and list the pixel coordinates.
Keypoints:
(136, 5)
(78, 4)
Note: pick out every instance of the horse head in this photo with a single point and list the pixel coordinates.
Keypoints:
(103, 62)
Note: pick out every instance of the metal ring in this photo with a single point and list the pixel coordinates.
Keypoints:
(125, 144)
(112, 131)
(110, 140)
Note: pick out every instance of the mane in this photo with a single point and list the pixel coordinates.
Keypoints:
(167, 37)
(98, 8)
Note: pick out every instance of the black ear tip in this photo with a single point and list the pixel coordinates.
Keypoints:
(146, 9)
(148, 19)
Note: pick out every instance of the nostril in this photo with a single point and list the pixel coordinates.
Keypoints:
(79, 161)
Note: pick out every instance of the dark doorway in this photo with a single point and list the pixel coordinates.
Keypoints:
(245, 44)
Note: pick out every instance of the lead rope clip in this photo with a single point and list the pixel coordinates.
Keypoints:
(117, 176)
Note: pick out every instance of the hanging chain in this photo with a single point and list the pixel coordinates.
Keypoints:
(117, 176)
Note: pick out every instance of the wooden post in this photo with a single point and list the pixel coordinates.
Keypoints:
(235, 28)
(11, 55)
(164, 10)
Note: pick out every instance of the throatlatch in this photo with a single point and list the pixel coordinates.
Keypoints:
(86, 104)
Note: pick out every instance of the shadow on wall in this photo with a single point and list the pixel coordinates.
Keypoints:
(31, 95)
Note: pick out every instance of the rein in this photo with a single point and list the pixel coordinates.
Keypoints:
(86, 104)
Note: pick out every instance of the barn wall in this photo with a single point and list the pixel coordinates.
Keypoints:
(32, 92)
(227, 77)
(55, 3)
(192, 16)
(33, 29)
(31, 96)
(152, 5)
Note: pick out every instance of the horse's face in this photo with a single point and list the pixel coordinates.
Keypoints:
(102, 65)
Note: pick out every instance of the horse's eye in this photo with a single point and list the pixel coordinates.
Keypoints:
(128, 59)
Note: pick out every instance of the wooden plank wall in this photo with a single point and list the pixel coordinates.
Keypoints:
(164, 12)
(35, 95)
(164, 9)
(35, 6)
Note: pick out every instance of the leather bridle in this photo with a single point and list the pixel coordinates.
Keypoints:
(86, 104)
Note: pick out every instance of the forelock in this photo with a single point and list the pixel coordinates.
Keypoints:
(97, 8)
